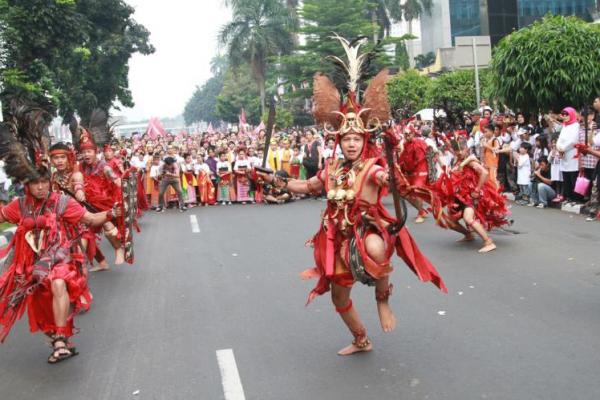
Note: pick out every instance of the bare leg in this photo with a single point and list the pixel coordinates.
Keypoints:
(60, 309)
(111, 233)
(60, 302)
(84, 269)
(418, 204)
(457, 227)
(488, 243)
(341, 299)
(376, 249)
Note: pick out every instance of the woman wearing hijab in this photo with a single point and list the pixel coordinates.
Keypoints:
(569, 137)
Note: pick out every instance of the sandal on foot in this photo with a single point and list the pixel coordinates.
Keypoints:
(61, 352)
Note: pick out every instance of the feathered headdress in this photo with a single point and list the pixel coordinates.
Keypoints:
(24, 140)
(97, 134)
(340, 118)
(64, 149)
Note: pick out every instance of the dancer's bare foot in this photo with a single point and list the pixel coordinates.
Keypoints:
(419, 220)
(386, 316)
(119, 256)
(102, 266)
(488, 246)
(466, 238)
(362, 347)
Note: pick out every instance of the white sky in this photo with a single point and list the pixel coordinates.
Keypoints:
(184, 33)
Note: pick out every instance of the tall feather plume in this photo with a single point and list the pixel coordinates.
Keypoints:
(355, 61)
(30, 125)
(376, 98)
(17, 164)
(24, 142)
(326, 98)
(75, 131)
(99, 128)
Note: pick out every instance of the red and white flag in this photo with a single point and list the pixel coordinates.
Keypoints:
(242, 121)
(155, 129)
(259, 128)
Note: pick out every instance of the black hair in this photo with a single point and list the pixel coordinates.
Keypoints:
(60, 146)
(282, 174)
(543, 159)
(526, 146)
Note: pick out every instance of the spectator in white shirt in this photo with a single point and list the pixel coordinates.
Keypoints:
(568, 138)
(524, 173)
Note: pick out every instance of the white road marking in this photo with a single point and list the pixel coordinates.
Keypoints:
(230, 377)
(194, 223)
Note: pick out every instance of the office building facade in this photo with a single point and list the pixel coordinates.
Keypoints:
(494, 18)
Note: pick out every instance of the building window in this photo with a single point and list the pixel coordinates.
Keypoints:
(531, 10)
(464, 18)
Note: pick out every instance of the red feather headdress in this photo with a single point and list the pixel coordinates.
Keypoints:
(351, 116)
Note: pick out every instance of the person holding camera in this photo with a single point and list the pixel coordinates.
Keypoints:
(169, 172)
(541, 185)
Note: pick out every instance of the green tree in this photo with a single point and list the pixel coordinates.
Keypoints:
(424, 60)
(113, 37)
(548, 65)
(408, 91)
(203, 104)
(384, 13)
(239, 91)
(37, 39)
(68, 55)
(323, 18)
(414, 9)
(455, 90)
(283, 118)
(401, 60)
(260, 30)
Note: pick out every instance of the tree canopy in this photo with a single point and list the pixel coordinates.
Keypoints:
(409, 91)
(548, 65)
(456, 91)
(260, 30)
(239, 91)
(69, 56)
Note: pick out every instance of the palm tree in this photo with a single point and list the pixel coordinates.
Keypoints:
(260, 29)
(384, 13)
(218, 65)
(414, 9)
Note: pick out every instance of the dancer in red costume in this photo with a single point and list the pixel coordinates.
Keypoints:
(45, 276)
(102, 186)
(468, 194)
(114, 162)
(413, 162)
(67, 180)
(355, 242)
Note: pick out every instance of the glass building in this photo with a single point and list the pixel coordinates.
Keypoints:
(498, 18)
(530, 10)
(465, 19)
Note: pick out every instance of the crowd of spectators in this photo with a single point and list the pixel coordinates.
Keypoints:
(544, 160)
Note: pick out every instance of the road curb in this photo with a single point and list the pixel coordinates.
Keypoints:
(579, 209)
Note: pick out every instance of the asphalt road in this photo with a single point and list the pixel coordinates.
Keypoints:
(519, 323)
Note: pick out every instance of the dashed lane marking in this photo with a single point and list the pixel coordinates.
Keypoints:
(230, 377)
(194, 223)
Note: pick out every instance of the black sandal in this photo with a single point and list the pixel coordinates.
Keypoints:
(61, 353)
